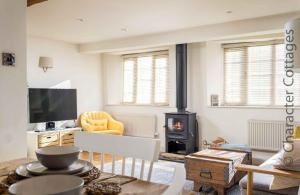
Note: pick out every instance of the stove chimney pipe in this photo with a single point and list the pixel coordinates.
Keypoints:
(181, 77)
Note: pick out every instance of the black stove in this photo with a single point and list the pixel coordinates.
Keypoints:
(181, 126)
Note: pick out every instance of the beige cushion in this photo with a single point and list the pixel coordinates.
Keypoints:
(287, 161)
(283, 183)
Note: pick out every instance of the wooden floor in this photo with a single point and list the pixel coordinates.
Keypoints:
(97, 159)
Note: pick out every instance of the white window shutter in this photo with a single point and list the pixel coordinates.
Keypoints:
(234, 76)
(146, 78)
(253, 74)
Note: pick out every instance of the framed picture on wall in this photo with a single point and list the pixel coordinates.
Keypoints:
(214, 100)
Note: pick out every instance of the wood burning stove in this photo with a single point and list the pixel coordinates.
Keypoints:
(181, 126)
(178, 124)
(181, 132)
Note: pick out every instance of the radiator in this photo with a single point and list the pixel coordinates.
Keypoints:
(266, 135)
(141, 125)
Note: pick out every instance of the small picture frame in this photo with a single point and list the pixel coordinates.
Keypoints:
(8, 59)
(214, 100)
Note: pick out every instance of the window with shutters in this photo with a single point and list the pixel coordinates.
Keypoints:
(253, 74)
(146, 78)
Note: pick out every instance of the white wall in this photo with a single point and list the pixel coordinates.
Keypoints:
(13, 102)
(112, 79)
(83, 71)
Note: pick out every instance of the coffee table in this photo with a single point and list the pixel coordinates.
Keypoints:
(216, 167)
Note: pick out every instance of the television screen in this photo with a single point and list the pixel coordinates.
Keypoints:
(52, 105)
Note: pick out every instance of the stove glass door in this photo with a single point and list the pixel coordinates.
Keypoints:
(176, 125)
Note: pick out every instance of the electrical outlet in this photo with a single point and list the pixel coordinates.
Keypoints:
(8, 59)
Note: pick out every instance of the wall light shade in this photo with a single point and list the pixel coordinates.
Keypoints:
(45, 63)
(292, 42)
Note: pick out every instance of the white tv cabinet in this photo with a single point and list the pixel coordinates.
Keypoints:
(61, 137)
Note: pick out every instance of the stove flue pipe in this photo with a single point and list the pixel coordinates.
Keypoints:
(181, 77)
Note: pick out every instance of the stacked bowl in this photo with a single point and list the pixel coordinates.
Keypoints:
(57, 171)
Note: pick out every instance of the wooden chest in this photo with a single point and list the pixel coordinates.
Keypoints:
(215, 167)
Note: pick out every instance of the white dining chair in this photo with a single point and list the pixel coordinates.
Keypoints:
(178, 181)
(144, 149)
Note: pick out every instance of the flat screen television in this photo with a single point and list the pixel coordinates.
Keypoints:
(47, 105)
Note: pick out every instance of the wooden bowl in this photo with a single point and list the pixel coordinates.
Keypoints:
(57, 157)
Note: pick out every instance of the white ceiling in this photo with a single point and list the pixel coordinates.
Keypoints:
(104, 19)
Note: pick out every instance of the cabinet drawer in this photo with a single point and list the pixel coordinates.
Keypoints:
(68, 144)
(46, 138)
(209, 170)
(45, 144)
(67, 135)
(66, 141)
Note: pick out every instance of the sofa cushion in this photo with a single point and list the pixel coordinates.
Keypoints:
(279, 182)
(290, 159)
(262, 182)
(287, 161)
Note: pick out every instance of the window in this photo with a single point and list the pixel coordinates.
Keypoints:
(146, 78)
(253, 74)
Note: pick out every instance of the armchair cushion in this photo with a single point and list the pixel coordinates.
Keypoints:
(100, 124)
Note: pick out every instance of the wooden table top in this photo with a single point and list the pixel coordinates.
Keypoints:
(137, 187)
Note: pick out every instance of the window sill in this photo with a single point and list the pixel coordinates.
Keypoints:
(254, 107)
(141, 105)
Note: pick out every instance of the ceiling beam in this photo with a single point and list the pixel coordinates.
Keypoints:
(32, 2)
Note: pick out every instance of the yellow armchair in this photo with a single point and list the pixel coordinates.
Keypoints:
(100, 122)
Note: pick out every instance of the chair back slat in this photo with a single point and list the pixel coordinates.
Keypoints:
(113, 164)
(102, 161)
(90, 156)
(133, 167)
(142, 169)
(150, 171)
(145, 149)
(123, 165)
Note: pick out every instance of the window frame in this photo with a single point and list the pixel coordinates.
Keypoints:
(243, 102)
(134, 57)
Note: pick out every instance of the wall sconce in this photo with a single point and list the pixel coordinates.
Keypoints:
(45, 63)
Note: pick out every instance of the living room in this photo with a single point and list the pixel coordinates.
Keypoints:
(220, 64)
